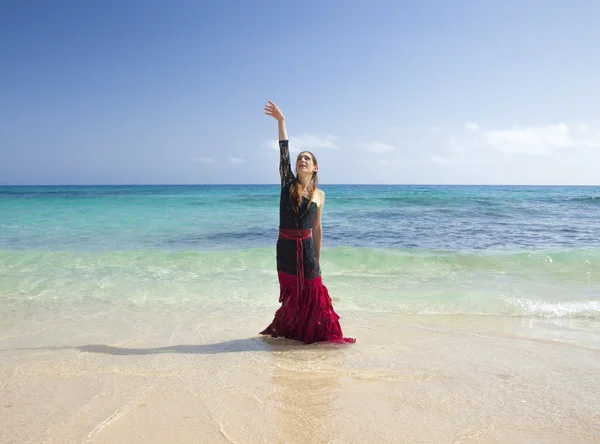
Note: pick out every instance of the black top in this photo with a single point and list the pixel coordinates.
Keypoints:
(290, 218)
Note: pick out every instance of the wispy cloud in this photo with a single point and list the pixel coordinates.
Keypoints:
(439, 160)
(451, 140)
(593, 142)
(203, 159)
(306, 141)
(453, 143)
(540, 140)
(396, 129)
(380, 148)
(237, 160)
(529, 140)
(590, 136)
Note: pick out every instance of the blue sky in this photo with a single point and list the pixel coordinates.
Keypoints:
(435, 92)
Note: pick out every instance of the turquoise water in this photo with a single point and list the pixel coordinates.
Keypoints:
(531, 251)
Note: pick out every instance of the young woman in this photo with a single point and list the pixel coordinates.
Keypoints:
(306, 313)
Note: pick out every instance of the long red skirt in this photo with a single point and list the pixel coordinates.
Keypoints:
(307, 315)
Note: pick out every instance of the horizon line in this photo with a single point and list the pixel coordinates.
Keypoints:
(277, 184)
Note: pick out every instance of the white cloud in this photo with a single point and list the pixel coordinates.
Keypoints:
(593, 142)
(453, 143)
(590, 137)
(273, 144)
(529, 140)
(203, 159)
(441, 160)
(380, 148)
(237, 160)
(387, 162)
(435, 129)
(451, 140)
(306, 141)
(541, 140)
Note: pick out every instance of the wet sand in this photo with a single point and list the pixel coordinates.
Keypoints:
(169, 374)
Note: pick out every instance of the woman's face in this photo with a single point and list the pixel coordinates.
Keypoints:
(305, 164)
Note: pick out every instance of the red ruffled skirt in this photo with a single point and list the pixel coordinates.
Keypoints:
(306, 313)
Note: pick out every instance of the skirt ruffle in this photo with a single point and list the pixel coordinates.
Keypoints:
(307, 315)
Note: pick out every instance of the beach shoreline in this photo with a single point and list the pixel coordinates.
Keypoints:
(170, 375)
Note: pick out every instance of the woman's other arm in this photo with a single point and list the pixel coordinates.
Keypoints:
(317, 231)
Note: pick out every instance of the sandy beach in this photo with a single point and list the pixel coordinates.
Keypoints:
(172, 375)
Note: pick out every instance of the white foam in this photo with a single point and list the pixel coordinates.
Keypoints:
(588, 309)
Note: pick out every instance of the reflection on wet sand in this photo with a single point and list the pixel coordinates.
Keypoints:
(307, 394)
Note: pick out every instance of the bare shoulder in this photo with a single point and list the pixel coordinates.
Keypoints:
(319, 197)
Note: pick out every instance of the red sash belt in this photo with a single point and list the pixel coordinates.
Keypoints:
(297, 235)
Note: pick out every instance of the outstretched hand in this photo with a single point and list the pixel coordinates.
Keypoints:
(273, 110)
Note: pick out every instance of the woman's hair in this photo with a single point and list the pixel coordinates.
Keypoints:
(296, 188)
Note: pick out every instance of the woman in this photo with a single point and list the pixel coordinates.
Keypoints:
(306, 313)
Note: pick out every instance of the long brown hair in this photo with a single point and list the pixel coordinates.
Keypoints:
(296, 188)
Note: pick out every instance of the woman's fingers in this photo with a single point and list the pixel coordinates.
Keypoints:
(272, 110)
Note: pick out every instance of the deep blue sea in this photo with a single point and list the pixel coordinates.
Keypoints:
(513, 250)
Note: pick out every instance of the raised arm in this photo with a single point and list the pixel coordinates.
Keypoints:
(285, 169)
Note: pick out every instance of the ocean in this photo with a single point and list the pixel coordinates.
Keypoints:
(131, 314)
(410, 249)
